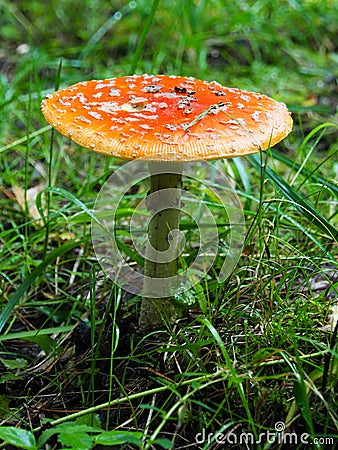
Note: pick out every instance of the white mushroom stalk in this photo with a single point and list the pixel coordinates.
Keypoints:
(161, 259)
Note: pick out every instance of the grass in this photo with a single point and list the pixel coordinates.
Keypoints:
(257, 352)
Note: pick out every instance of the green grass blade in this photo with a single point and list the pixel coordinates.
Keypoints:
(16, 144)
(234, 377)
(143, 37)
(30, 335)
(307, 173)
(72, 198)
(32, 278)
(308, 211)
(105, 28)
(300, 389)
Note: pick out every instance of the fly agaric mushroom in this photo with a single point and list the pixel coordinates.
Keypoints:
(165, 119)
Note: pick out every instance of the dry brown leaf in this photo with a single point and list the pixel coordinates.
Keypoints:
(333, 318)
(30, 198)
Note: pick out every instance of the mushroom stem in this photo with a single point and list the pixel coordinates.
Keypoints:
(161, 258)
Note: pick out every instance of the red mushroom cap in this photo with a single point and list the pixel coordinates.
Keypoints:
(167, 118)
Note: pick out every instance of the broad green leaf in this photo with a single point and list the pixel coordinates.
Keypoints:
(71, 434)
(79, 440)
(9, 376)
(4, 406)
(67, 427)
(20, 438)
(18, 363)
(119, 438)
(45, 342)
(164, 443)
(92, 420)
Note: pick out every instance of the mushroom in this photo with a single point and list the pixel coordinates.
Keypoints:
(168, 120)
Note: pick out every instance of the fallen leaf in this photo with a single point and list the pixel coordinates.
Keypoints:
(333, 318)
(30, 198)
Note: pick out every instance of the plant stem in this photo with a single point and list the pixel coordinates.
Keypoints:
(161, 257)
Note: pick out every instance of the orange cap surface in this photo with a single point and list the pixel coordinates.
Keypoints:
(167, 118)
